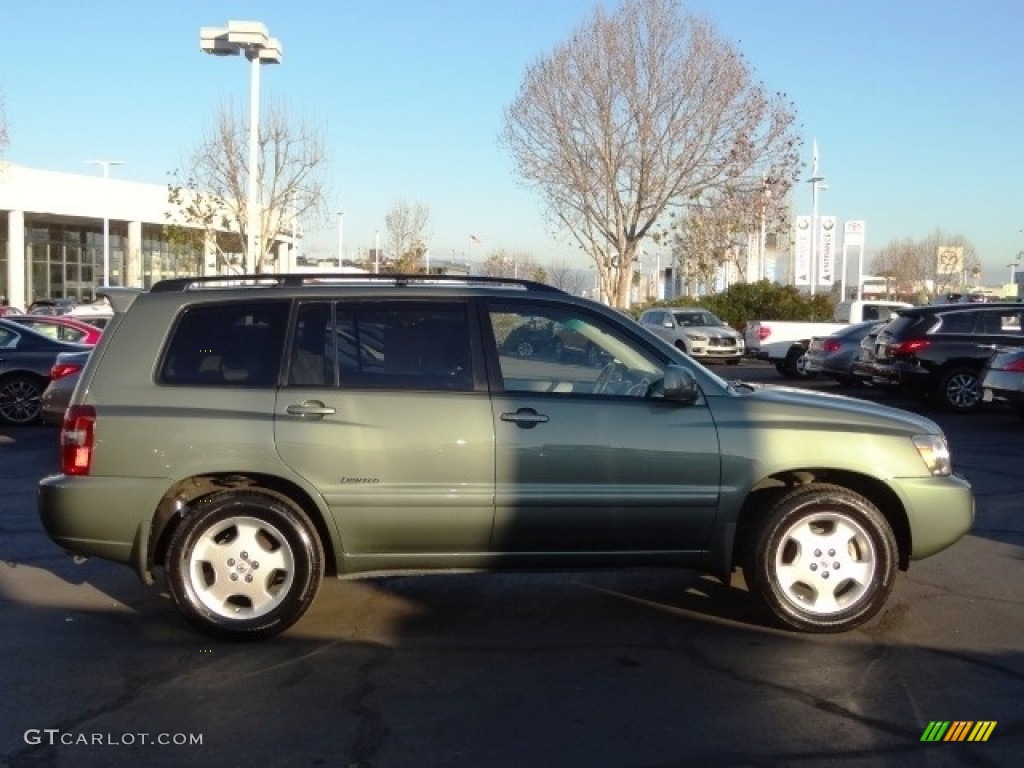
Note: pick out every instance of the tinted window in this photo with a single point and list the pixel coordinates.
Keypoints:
(233, 344)
(958, 322)
(390, 345)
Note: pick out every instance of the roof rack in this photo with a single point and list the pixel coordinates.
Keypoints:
(298, 279)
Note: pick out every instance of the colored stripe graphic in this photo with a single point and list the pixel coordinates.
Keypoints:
(958, 730)
(982, 730)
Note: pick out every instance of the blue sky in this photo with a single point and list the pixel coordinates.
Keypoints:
(917, 106)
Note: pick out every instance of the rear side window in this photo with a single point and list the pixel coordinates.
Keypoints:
(233, 344)
(382, 345)
(958, 322)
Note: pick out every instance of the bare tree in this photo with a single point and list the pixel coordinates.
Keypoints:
(502, 263)
(213, 196)
(565, 277)
(639, 111)
(406, 225)
(4, 136)
(937, 264)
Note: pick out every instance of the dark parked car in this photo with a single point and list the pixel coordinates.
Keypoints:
(64, 376)
(26, 358)
(835, 355)
(937, 352)
(1002, 378)
(541, 337)
(61, 327)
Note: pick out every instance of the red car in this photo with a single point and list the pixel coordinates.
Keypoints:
(61, 328)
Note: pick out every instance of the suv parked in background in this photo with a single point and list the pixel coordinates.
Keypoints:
(245, 436)
(697, 332)
(938, 351)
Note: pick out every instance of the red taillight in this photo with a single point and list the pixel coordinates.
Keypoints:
(76, 440)
(1017, 366)
(831, 345)
(909, 347)
(60, 370)
(763, 332)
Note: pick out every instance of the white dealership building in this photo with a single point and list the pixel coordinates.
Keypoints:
(52, 241)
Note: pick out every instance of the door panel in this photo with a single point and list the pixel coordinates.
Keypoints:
(384, 417)
(588, 459)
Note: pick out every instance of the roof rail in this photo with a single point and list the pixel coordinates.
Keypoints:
(293, 280)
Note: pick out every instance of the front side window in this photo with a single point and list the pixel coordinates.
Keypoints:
(230, 344)
(560, 350)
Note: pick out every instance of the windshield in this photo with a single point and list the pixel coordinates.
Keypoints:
(698, 319)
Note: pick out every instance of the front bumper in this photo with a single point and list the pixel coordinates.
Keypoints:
(940, 511)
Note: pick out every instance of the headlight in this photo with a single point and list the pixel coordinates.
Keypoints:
(696, 337)
(934, 452)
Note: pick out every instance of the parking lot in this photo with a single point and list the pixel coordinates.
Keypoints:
(631, 668)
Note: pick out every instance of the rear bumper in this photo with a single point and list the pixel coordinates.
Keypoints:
(103, 517)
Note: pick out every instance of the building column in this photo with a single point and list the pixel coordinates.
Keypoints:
(209, 266)
(16, 259)
(133, 256)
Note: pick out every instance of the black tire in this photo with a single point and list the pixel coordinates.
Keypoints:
(959, 390)
(244, 564)
(823, 559)
(21, 399)
(796, 363)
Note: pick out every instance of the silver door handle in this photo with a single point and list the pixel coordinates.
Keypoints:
(525, 417)
(310, 408)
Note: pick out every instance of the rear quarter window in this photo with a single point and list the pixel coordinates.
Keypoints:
(234, 344)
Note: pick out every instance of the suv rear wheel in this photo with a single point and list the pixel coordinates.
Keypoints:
(823, 559)
(959, 390)
(245, 564)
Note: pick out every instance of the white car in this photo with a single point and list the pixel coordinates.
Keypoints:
(697, 332)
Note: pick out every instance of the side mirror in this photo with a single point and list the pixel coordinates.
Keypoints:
(679, 385)
(669, 324)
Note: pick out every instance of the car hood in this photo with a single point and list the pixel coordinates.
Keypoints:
(789, 404)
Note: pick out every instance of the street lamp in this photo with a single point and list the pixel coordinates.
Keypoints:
(252, 38)
(341, 239)
(105, 164)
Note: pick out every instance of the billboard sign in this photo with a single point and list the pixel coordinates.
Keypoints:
(827, 250)
(802, 252)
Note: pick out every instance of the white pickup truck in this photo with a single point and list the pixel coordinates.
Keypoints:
(784, 342)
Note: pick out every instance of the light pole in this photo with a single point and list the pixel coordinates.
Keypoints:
(341, 239)
(252, 38)
(105, 164)
(815, 182)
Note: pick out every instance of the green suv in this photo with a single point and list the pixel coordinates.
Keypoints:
(246, 437)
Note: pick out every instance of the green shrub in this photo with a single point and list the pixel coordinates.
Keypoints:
(744, 302)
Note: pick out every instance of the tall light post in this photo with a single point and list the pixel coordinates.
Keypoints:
(105, 164)
(341, 239)
(253, 39)
(815, 182)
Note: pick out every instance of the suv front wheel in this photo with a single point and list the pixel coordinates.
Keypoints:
(823, 559)
(244, 564)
